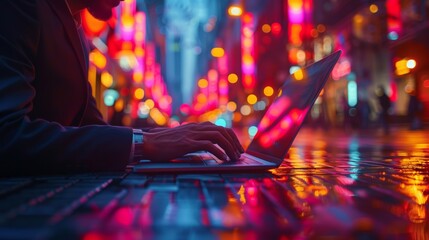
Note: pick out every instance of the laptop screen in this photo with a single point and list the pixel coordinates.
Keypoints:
(281, 122)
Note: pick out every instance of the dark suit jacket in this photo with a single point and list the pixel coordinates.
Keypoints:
(48, 118)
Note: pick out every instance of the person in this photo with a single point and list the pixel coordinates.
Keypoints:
(48, 119)
(415, 108)
(385, 104)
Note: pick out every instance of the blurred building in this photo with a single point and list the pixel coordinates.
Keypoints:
(384, 44)
(412, 49)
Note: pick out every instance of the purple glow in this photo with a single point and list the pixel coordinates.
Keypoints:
(296, 15)
(248, 68)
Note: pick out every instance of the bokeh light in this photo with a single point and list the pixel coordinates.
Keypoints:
(232, 78)
(268, 91)
(252, 131)
(106, 79)
(235, 11)
(245, 110)
(203, 83)
(150, 103)
(266, 28)
(411, 63)
(299, 75)
(252, 99)
(139, 93)
(231, 106)
(373, 8)
(221, 122)
(217, 52)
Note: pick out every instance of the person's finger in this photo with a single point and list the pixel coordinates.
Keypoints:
(206, 145)
(217, 138)
(234, 139)
(227, 132)
(230, 138)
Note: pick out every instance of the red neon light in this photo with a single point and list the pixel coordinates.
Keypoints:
(276, 28)
(394, 16)
(394, 91)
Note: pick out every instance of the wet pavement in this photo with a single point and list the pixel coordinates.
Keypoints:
(333, 185)
(360, 183)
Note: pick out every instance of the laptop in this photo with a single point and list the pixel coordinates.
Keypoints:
(276, 130)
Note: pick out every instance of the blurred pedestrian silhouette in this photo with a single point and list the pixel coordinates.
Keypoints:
(364, 111)
(385, 104)
(415, 108)
(363, 105)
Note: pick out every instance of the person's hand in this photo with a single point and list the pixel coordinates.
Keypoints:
(162, 144)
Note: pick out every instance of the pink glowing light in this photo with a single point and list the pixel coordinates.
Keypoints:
(223, 65)
(93, 236)
(213, 79)
(265, 141)
(247, 51)
(296, 15)
(185, 109)
(341, 69)
(286, 123)
(124, 216)
(150, 65)
(394, 91)
(295, 116)
(274, 112)
(127, 21)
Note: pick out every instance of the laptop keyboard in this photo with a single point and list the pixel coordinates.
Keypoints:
(210, 159)
(46, 202)
(112, 202)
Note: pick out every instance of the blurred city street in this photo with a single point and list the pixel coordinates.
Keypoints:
(162, 63)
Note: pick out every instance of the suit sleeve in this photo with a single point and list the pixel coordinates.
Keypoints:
(38, 146)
